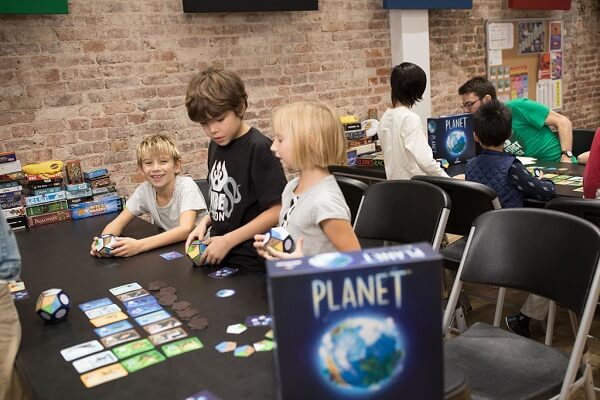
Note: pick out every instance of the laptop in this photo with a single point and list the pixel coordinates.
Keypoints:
(451, 138)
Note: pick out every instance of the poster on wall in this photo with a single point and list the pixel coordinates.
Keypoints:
(519, 82)
(555, 35)
(544, 66)
(556, 64)
(500, 36)
(532, 37)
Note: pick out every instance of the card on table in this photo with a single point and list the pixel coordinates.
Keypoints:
(108, 319)
(162, 326)
(135, 294)
(133, 348)
(113, 328)
(16, 286)
(141, 301)
(223, 273)
(153, 317)
(103, 375)
(125, 288)
(141, 310)
(22, 295)
(143, 360)
(171, 255)
(80, 350)
(182, 346)
(167, 336)
(258, 320)
(105, 301)
(119, 338)
(100, 311)
(203, 395)
(94, 361)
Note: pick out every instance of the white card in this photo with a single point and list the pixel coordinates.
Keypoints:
(95, 361)
(125, 288)
(80, 350)
(100, 311)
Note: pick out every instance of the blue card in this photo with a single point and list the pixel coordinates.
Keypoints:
(223, 273)
(113, 328)
(258, 320)
(141, 301)
(154, 317)
(141, 310)
(105, 301)
(171, 255)
(20, 295)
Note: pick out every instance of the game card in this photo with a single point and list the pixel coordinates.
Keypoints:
(90, 305)
(22, 295)
(153, 317)
(100, 311)
(94, 361)
(258, 320)
(171, 255)
(120, 338)
(125, 288)
(182, 346)
(108, 319)
(133, 348)
(103, 375)
(80, 350)
(113, 328)
(143, 360)
(162, 326)
(203, 395)
(223, 273)
(167, 336)
(141, 310)
(16, 286)
(142, 301)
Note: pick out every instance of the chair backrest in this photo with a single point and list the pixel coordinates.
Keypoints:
(583, 208)
(204, 188)
(469, 200)
(353, 191)
(582, 140)
(403, 211)
(545, 252)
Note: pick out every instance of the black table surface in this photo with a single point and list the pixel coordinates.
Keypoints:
(378, 173)
(57, 256)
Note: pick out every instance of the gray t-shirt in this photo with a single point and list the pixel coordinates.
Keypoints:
(186, 196)
(301, 215)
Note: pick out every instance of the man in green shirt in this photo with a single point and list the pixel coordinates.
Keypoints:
(531, 122)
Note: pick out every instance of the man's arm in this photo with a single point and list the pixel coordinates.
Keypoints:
(565, 132)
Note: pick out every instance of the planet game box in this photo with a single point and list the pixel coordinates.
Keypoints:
(364, 324)
(451, 138)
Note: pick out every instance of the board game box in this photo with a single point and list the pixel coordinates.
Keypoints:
(364, 324)
(451, 138)
(93, 208)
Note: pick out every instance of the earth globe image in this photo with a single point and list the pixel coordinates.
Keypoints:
(456, 142)
(361, 354)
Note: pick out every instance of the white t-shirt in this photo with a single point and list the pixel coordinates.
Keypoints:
(186, 196)
(321, 202)
(406, 152)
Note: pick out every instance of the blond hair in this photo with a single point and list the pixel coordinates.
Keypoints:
(315, 131)
(157, 145)
(213, 92)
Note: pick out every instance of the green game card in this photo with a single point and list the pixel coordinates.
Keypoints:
(182, 346)
(130, 349)
(143, 360)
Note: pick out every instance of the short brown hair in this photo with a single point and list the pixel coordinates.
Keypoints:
(316, 133)
(156, 145)
(213, 92)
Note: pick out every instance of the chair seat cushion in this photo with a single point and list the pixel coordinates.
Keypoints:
(453, 253)
(502, 365)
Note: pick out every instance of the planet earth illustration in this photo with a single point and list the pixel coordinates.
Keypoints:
(361, 354)
(456, 142)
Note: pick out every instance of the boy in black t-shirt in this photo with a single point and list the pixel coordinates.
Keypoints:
(246, 180)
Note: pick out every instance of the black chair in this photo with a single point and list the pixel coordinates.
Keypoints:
(353, 191)
(582, 140)
(583, 208)
(545, 252)
(402, 211)
(204, 188)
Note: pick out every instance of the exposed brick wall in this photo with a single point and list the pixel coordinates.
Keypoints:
(457, 49)
(93, 83)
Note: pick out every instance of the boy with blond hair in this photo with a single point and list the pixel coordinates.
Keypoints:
(245, 178)
(174, 202)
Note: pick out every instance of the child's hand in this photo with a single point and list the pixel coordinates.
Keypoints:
(272, 254)
(217, 248)
(197, 233)
(259, 245)
(93, 251)
(126, 247)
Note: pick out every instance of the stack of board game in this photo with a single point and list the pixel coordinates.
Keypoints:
(104, 195)
(11, 191)
(46, 201)
(358, 142)
(77, 190)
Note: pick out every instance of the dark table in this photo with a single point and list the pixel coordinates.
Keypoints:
(57, 256)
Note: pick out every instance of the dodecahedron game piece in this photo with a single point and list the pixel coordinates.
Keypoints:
(279, 239)
(195, 250)
(53, 305)
(104, 244)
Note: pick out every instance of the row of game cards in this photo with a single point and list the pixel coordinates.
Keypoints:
(129, 351)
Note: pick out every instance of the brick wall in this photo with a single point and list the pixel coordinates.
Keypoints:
(93, 83)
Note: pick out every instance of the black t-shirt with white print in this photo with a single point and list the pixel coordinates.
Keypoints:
(245, 179)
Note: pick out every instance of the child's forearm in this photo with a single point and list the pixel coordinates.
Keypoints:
(171, 236)
(262, 223)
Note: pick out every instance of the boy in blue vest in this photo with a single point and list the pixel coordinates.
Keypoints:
(504, 173)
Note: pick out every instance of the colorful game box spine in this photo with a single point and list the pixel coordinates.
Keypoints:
(93, 208)
(50, 218)
(76, 194)
(104, 189)
(73, 187)
(49, 183)
(11, 202)
(37, 192)
(368, 160)
(14, 212)
(74, 172)
(8, 184)
(11, 189)
(7, 156)
(45, 198)
(95, 174)
(46, 208)
(365, 325)
(100, 182)
(44, 178)
(10, 167)
(107, 196)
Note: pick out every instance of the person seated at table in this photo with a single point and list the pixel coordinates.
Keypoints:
(403, 140)
(245, 178)
(591, 175)
(309, 138)
(531, 122)
(174, 202)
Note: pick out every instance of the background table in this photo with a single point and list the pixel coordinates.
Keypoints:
(57, 256)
